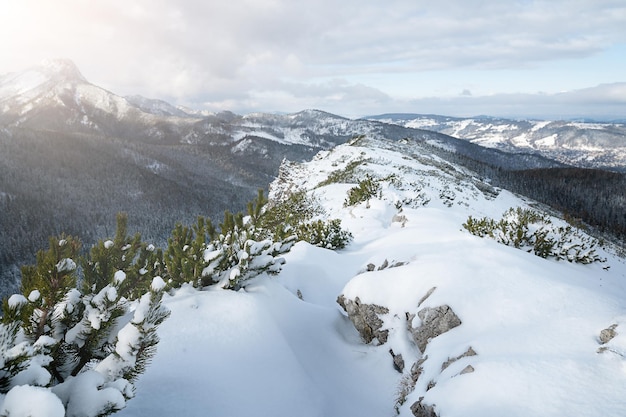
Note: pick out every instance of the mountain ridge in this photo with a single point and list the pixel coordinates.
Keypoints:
(581, 144)
(73, 154)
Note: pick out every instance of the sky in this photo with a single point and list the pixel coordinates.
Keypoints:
(513, 58)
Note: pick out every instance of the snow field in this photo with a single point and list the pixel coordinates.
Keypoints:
(534, 323)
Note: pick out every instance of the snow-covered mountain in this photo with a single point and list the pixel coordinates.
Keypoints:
(434, 321)
(55, 95)
(73, 154)
(583, 144)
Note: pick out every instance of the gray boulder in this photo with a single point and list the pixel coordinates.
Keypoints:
(423, 410)
(435, 321)
(608, 334)
(365, 318)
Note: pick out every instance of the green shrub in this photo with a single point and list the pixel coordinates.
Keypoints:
(281, 218)
(294, 217)
(243, 249)
(345, 175)
(326, 234)
(534, 232)
(366, 189)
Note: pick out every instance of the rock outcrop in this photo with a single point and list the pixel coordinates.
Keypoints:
(435, 321)
(365, 318)
(608, 334)
(423, 410)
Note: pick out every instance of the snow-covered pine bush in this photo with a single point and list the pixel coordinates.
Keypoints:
(345, 175)
(74, 348)
(363, 191)
(202, 256)
(293, 218)
(246, 246)
(240, 253)
(279, 219)
(184, 256)
(325, 234)
(534, 232)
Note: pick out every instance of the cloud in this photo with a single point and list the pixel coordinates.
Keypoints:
(604, 102)
(336, 95)
(244, 52)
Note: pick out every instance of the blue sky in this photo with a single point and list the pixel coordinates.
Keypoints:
(516, 58)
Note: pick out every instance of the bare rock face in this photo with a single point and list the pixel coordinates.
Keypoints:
(607, 334)
(423, 410)
(435, 321)
(365, 318)
(398, 361)
(469, 352)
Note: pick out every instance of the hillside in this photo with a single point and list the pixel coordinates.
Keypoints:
(519, 335)
(582, 144)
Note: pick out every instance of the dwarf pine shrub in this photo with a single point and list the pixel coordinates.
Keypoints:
(68, 334)
(534, 232)
(365, 189)
(347, 174)
(246, 246)
(326, 234)
(294, 217)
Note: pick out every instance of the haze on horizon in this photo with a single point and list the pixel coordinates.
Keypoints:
(512, 58)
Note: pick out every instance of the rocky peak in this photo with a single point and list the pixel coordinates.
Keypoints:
(62, 70)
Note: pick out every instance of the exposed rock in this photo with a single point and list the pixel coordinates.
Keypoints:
(435, 321)
(398, 361)
(607, 334)
(450, 361)
(467, 370)
(384, 265)
(365, 318)
(399, 218)
(370, 267)
(417, 369)
(428, 294)
(423, 410)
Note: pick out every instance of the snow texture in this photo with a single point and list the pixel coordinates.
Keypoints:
(282, 346)
(119, 277)
(28, 401)
(66, 265)
(17, 300)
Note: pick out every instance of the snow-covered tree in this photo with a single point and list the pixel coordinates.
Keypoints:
(201, 256)
(80, 344)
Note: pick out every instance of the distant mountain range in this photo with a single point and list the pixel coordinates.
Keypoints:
(582, 144)
(73, 154)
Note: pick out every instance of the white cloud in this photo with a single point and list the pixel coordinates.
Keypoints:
(244, 51)
(606, 102)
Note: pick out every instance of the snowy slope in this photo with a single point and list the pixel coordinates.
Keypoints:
(534, 323)
(584, 144)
